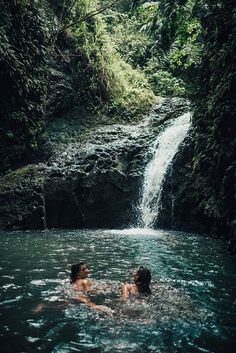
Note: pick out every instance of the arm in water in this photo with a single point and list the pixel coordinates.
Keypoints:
(81, 284)
(82, 299)
(79, 273)
(85, 300)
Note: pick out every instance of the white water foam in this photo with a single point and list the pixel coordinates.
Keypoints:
(164, 150)
(135, 231)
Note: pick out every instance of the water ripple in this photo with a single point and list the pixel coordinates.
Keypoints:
(192, 307)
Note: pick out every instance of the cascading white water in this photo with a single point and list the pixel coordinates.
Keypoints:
(164, 150)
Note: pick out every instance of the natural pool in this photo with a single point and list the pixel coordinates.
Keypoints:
(192, 307)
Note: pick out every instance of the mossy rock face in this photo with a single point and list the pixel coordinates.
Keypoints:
(22, 178)
(21, 199)
(214, 168)
(205, 211)
(24, 54)
(93, 177)
(180, 202)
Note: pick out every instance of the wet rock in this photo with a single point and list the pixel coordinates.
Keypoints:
(61, 92)
(189, 204)
(91, 179)
(21, 199)
(179, 201)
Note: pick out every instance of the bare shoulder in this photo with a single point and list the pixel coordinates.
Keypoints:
(87, 285)
(83, 285)
(126, 286)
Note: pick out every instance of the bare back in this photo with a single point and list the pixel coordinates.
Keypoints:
(127, 290)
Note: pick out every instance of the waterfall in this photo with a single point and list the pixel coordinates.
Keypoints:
(164, 150)
(44, 208)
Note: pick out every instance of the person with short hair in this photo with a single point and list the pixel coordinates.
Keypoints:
(78, 278)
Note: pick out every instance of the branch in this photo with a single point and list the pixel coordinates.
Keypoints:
(73, 4)
(86, 17)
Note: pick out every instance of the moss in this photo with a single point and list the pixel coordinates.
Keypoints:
(22, 178)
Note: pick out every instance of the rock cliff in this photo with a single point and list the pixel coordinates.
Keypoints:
(92, 178)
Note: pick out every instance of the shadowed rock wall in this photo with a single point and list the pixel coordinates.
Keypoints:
(184, 207)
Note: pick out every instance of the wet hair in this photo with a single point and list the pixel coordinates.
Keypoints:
(74, 271)
(143, 281)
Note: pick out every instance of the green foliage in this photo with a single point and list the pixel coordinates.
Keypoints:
(23, 53)
(185, 52)
(164, 39)
(109, 83)
(131, 34)
(165, 84)
(215, 110)
(178, 34)
(30, 36)
(118, 59)
(215, 96)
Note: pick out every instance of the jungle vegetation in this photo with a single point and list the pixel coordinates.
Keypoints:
(119, 56)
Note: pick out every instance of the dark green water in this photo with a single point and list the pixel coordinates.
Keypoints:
(192, 307)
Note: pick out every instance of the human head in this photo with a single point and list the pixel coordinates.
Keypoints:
(142, 278)
(78, 270)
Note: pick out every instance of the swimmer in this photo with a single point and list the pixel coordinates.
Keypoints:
(81, 284)
(78, 277)
(142, 279)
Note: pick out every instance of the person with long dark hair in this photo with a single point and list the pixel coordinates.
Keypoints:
(141, 285)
